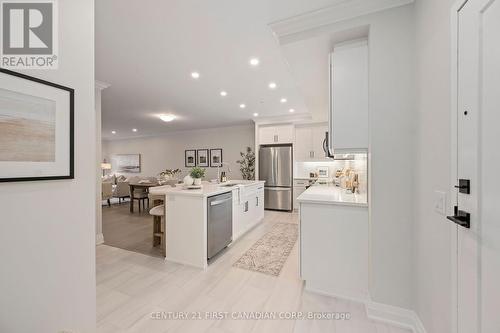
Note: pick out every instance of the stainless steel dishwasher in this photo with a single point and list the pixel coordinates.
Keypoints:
(219, 223)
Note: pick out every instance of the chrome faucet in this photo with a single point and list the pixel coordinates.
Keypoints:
(218, 170)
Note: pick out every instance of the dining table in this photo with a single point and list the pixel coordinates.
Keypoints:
(134, 186)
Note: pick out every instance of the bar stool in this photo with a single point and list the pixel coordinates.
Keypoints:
(158, 213)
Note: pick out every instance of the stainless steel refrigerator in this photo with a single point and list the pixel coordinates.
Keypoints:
(276, 168)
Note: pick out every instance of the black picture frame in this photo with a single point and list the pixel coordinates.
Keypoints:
(212, 164)
(71, 127)
(186, 164)
(202, 153)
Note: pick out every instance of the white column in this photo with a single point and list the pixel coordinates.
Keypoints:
(99, 87)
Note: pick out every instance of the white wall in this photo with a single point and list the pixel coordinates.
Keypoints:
(167, 151)
(432, 232)
(392, 149)
(47, 236)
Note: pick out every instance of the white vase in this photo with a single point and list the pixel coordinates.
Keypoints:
(197, 181)
(188, 180)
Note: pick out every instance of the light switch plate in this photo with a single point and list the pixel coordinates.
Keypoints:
(440, 202)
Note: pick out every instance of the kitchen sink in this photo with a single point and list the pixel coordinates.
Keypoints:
(230, 184)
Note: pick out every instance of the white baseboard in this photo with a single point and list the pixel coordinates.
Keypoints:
(354, 298)
(395, 316)
(99, 239)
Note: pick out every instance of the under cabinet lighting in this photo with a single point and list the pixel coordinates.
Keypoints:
(242, 106)
(272, 85)
(113, 132)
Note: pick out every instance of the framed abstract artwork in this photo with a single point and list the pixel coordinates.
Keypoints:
(202, 157)
(126, 163)
(36, 129)
(190, 158)
(216, 158)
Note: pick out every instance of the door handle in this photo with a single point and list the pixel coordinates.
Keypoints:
(460, 217)
(219, 202)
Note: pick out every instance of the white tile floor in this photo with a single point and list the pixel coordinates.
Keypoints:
(132, 286)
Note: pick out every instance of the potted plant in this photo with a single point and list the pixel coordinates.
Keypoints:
(247, 164)
(197, 173)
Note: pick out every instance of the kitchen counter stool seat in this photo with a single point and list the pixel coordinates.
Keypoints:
(158, 213)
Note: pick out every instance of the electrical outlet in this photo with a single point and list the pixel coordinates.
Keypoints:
(440, 202)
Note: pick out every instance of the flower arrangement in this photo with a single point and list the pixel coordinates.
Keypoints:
(197, 172)
(170, 173)
(247, 164)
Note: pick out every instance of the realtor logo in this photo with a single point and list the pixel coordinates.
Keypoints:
(29, 34)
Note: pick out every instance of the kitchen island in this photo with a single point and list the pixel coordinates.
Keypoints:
(334, 242)
(186, 216)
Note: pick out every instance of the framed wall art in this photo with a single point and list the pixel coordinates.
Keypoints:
(190, 158)
(126, 163)
(202, 157)
(216, 158)
(36, 129)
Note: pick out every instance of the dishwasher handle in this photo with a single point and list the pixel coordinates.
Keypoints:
(219, 202)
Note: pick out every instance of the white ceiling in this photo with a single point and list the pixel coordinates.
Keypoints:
(147, 49)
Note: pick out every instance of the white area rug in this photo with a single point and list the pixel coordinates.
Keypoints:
(269, 254)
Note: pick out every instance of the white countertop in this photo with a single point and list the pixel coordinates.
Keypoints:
(331, 194)
(208, 189)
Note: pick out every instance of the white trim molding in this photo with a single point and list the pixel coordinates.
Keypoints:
(395, 316)
(101, 85)
(341, 11)
(99, 239)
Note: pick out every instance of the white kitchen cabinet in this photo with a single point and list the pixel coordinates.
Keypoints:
(303, 143)
(299, 186)
(249, 211)
(348, 119)
(309, 142)
(276, 134)
(334, 249)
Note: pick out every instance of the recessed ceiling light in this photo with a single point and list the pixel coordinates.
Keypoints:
(254, 62)
(223, 93)
(272, 85)
(283, 100)
(242, 106)
(134, 129)
(167, 117)
(195, 75)
(113, 132)
(256, 114)
(291, 110)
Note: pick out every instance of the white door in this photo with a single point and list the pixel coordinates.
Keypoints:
(478, 161)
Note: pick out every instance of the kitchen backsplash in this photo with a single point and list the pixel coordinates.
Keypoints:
(359, 164)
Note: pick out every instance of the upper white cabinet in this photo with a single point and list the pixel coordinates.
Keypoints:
(275, 134)
(348, 120)
(309, 142)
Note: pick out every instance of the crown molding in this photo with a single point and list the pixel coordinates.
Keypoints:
(283, 119)
(101, 85)
(343, 10)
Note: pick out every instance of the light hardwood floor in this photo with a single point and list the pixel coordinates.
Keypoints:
(132, 286)
(133, 232)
